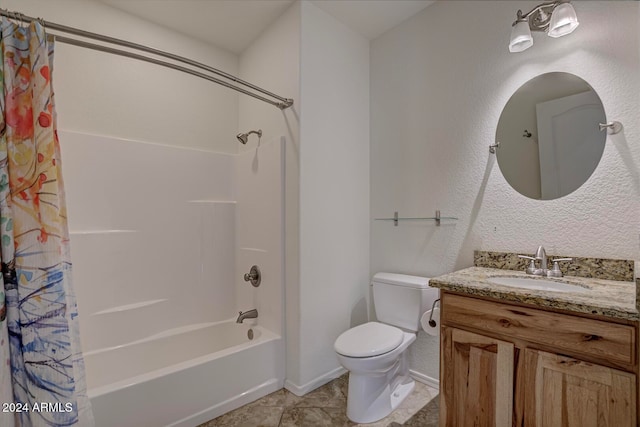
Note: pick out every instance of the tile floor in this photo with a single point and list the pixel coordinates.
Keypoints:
(326, 406)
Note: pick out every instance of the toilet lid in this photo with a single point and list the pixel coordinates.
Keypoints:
(368, 340)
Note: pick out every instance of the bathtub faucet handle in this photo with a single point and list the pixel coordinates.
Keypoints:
(254, 276)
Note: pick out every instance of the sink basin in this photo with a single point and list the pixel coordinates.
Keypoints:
(537, 284)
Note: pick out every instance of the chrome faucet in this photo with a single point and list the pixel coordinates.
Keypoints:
(541, 255)
(251, 314)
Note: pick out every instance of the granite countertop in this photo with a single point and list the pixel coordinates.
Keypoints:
(608, 298)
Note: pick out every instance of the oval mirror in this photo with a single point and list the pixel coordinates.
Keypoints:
(550, 142)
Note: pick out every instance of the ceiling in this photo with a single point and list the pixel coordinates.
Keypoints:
(234, 24)
(372, 18)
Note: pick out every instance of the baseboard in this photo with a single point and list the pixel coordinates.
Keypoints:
(315, 383)
(431, 382)
(230, 404)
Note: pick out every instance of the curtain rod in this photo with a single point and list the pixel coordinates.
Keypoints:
(282, 104)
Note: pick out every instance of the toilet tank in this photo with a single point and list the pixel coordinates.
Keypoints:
(400, 299)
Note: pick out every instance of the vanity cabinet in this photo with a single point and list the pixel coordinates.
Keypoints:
(564, 391)
(479, 378)
(507, 365)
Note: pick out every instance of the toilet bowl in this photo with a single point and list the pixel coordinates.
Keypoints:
(375, 353)
(380, 381)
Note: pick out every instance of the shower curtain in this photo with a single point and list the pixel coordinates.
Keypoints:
(42, 380)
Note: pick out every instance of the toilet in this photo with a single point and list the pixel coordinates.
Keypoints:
(375, 353)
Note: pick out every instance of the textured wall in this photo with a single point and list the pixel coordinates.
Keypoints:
(438, 85)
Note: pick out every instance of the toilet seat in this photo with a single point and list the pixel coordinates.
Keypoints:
(368, 340)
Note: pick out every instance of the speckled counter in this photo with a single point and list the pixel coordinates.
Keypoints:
(608, 298)
(598, 268)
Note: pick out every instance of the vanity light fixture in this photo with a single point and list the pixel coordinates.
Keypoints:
(557, 18)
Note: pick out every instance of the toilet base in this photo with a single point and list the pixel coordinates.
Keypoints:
(372, 398)
(401, 392)
(378, 384)
(374, 395)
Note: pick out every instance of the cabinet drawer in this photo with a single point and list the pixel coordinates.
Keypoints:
(602, 340)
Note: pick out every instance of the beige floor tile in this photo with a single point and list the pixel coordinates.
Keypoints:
(316, 417)
(418, 398)
(282, 398)
(329, 395)
(249, 416)
(327, 406)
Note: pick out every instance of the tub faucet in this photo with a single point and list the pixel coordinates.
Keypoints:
(251, 314)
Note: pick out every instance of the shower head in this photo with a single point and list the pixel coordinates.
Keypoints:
(243, 137)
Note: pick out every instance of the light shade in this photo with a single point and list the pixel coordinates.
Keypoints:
(563, 20)
(520, 37)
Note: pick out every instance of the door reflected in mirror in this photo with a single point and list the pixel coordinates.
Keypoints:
(550, 142)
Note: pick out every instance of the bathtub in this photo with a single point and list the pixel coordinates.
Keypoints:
(185, 376)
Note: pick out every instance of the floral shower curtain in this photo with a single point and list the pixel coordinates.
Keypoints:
(42, 381)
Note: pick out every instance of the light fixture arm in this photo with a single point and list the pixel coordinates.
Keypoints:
(540, 16)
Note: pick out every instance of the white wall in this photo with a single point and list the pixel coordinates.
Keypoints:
(438, 85)
(104, 94)
(309, 56)
(273, 62)
(334, 190)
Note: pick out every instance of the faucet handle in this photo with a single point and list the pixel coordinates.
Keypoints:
(532, 265)
(556, 272)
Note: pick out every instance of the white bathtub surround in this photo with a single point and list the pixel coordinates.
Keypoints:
(177, 246)
(259, 182)
(159, 232)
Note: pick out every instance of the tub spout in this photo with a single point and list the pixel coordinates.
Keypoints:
(251, 314)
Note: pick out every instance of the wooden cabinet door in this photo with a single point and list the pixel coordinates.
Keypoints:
(564, 392)
(477, 380)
